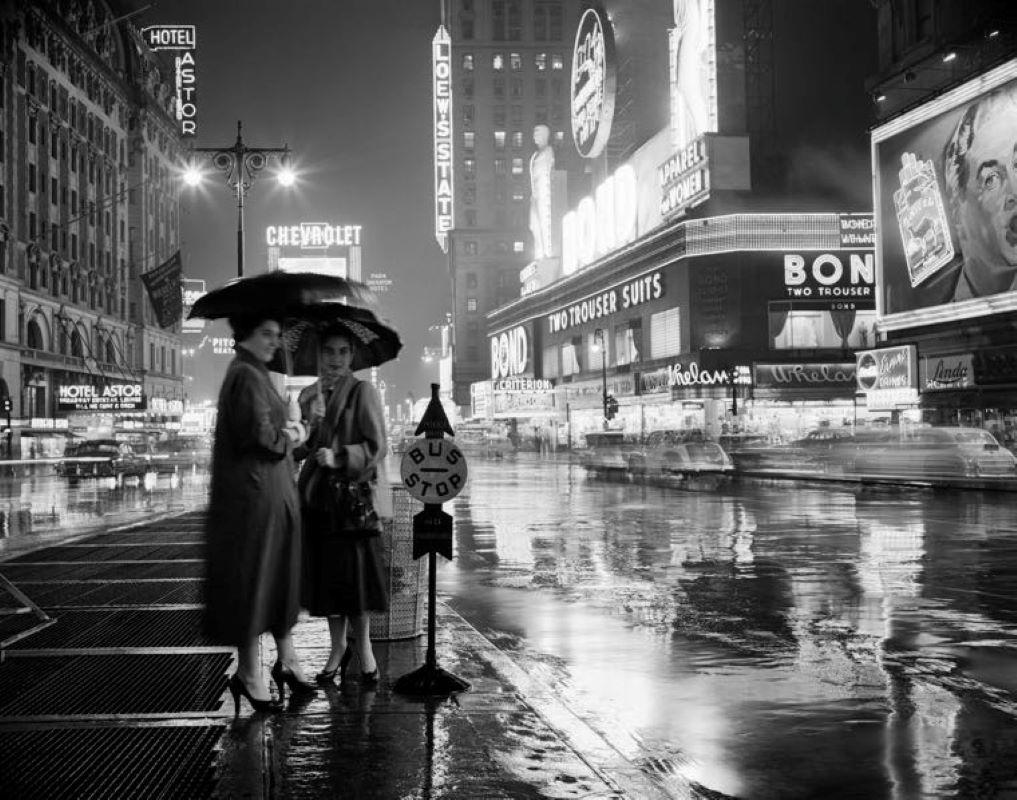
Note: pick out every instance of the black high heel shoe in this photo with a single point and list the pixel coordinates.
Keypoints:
(238, 689)
(284, 676)
(327, 676)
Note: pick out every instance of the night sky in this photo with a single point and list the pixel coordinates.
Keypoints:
(347, 86)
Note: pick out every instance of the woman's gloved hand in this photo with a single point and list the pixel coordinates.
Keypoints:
(296, 431)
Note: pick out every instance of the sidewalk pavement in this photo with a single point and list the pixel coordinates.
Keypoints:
(122, 697)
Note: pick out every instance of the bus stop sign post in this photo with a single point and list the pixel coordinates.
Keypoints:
(433, 471)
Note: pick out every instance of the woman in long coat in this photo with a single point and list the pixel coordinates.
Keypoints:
(252, 583)
(343, 579)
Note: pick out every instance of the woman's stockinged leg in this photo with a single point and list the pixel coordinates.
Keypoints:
(287, 655)
(337, 635)
(249, 669)
(362, 630)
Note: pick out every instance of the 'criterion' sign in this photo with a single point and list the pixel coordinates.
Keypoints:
(434, 470)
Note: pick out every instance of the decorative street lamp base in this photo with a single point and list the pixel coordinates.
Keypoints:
(428, 681)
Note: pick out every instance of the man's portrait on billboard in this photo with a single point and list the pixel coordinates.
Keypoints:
(980, 177)
(948, 203)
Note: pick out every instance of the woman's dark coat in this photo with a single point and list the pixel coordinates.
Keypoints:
(253, 540)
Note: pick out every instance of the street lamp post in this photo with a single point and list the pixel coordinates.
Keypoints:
(241, 165)
(598, 337)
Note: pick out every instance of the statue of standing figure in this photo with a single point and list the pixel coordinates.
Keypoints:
(541, 168)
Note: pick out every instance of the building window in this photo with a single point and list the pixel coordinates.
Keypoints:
(471, 305)
(517, 166)
(518, 195)
(470, 194)
(499, 192)
(518, 247)
(498, 62)
(515, 20)
(499, 140)
(517, 139)
(498, 20)
(570, 358)
(470, 218)
(468, 111)
(516, 88)
(471, 280)
(499, 166)
(540, 61)
(557, 61)
(517, 115)
(469, 139)
(33, 130)
(549, 362)
(469, 167)
(628, 341)
(31, 177)
(557, 87)
(598, 351)
(468, 88)
(499, 116)
(467, 5)
(465, 27)
(468, 61)
(516, 61)
(665, 333)
(470, 247)
(499, 88)
(559, 137)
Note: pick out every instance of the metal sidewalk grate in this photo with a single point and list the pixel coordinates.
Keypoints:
(148, 763)
(112, 570)
(14, 624)
(140, 537)
(105, 628)
(103, 593)
(113, 684)
(142, 552)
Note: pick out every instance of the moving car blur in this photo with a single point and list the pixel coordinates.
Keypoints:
(102, 458)
(678, 454)
(929, 452)
(181, 452)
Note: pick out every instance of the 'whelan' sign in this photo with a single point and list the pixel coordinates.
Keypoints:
(805, 376)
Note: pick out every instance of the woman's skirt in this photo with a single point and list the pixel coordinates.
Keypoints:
(342, 575)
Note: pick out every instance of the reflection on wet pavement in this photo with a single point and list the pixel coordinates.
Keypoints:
(37, 508)
(758, 640)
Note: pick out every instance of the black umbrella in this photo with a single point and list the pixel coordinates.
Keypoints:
(373, 341)
(281, 293)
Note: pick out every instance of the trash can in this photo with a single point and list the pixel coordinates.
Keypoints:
(407, 579)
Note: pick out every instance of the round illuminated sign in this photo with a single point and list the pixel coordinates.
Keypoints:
(433, 470)
(593, 83)
(867, 372)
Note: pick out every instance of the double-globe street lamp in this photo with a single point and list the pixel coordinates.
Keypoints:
(241, 165)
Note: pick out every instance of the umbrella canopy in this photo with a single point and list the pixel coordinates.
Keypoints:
(280, 293)
(373, 341)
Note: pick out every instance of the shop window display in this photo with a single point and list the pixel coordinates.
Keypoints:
(628, 342)
(800, 329)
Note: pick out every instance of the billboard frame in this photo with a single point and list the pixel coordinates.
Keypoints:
(1001, 302)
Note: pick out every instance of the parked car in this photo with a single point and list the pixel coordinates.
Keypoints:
(676, 453)
(102, 458)
(930, 452)
(606, 453)
(483, 441)
(403, 439)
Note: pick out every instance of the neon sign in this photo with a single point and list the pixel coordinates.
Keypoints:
(601, 223)
(312, 235)
(684, 179)
(593, 83)
(510, 353)
(183, 38)
(441, 52)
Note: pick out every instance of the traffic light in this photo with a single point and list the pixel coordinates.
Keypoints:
(6, 406)
(612, 407)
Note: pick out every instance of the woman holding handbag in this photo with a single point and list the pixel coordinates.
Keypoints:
(343, 577)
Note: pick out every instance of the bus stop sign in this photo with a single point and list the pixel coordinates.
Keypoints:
(434, 470)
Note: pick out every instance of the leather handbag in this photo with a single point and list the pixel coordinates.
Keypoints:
(351, 500)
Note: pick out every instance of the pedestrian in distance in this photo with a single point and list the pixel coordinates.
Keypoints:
(343, 577)
(252, 582)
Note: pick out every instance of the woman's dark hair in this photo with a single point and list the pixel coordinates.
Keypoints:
(329, 331)
(243, 325)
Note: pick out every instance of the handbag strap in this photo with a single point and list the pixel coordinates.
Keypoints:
(351, 394)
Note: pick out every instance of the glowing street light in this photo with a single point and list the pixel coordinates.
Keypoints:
(241, 165)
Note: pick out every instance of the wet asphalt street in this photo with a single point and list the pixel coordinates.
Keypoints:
(763, 640)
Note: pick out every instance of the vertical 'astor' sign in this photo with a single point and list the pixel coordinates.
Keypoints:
(184, 39)
(441, 49)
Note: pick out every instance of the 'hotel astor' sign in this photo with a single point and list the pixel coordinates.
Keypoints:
(111, 397)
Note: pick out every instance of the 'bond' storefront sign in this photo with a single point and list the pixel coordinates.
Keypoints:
(940, 373)
(112, 397)
(830, 275)
(618, 298)
(510, 353)
(806, 376)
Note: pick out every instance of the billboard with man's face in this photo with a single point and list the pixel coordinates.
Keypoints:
(946, 204)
